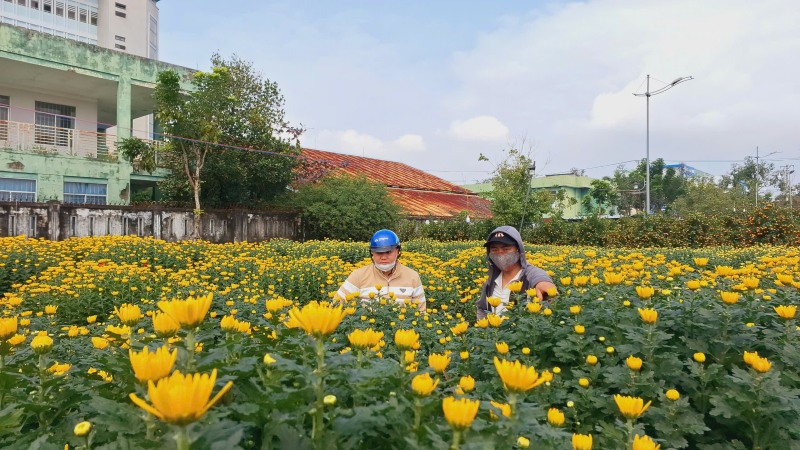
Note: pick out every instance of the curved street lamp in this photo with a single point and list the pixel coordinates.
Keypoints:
(649, 94)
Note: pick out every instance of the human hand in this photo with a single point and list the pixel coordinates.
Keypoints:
(542, 287)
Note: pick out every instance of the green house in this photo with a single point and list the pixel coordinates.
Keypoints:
(574, 186)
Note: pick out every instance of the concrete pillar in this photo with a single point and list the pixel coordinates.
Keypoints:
(156, 223)
(123, 108)
(53, 219)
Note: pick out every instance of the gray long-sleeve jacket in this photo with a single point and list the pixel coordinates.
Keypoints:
(531, 275)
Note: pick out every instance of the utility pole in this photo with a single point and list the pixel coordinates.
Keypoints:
(788, 170)
(532, 173)
(757, 172)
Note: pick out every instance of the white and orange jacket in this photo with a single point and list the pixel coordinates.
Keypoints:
(403, 283)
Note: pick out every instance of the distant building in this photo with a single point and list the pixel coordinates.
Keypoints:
(574, 186)
(688, 171)
(65, 104)
(419, 194)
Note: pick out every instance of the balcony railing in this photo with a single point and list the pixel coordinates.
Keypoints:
(31, 138)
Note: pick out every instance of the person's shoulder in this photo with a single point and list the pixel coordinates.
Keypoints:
(361, 271)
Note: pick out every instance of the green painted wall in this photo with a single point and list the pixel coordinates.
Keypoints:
(50, 172)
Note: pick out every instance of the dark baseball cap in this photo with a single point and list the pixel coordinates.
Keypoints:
(501, 238)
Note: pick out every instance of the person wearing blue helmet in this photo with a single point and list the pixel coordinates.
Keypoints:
(385, 277)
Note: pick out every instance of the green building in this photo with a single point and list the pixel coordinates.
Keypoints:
(64, 105)
(574, 186)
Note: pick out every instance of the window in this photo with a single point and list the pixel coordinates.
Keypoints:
(85, 193)
(71, 12)
(21, 2)
(17, 190)
(35, 4)
(120, 5)
(119, 38)
(121, 47)
(93, 18)
(60, 9)
(54, 124)
(48, 6)
(82, 13)
(120, 14)
(153, 39)
(5, 103)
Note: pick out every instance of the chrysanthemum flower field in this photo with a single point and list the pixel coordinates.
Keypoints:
(122, 342)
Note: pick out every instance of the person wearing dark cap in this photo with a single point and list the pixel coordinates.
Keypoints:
(505, 254)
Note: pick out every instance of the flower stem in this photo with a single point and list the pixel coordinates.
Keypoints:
(181, 439)
(629, 426)
(319, 410)
(417, 413)
(456, 440)
(190, 344)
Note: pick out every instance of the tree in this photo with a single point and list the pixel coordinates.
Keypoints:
(705, 196)
(754, 177)
(513, 202)
(226, 141)
(602, 198)
(343, 207)
(666, 186)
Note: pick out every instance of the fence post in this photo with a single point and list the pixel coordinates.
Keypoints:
(54, 220)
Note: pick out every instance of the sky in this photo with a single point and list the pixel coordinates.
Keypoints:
(435, 84)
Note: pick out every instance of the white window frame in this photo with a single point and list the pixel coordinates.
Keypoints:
(85, 198)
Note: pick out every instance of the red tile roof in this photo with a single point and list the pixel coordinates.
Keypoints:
(419, 193)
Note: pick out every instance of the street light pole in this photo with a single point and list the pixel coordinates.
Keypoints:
(649, 94)
(757, 170)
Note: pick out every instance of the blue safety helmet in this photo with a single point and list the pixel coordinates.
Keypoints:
(384, 241)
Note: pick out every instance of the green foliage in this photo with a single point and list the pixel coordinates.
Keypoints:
(231, 106)
(602, 198)
(141, 154)
(512, 200)
(346, 208)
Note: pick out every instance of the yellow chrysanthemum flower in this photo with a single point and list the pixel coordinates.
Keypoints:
(503, 408)
(459, 329)
(189, 313)
(99, 342)
(423, 384)
(364, 339)
(786, 312)
(693, 284)
(648, 315)
(517, 377)
(406, 339)
(8, 327)
(494, 320)
(316, 319)
(645, 292)
(701, 262)
(555, 417)
(59, 369)
(591, 360)
(82, 429)
(534, 307)
(581, 441)
(673, 394)
(631, 407)
(515, 286)
(494, 302)
(575, 309)
(164, 325)
(634, 363)
(644, 443)
(128, 314)
(181, 399)
(41, 344)
(699, 357)
(501, 347)
(729, 298)
(50, 309)
(460, 413)
(152, 366)
(760, 365)
(466, 383)
(438, 361)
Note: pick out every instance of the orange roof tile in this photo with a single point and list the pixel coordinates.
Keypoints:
(424, 204)
(418, 193)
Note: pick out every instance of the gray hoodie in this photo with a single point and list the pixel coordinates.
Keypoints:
(531, 275)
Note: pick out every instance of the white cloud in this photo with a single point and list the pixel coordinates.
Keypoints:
(356, 143)
(480, 128)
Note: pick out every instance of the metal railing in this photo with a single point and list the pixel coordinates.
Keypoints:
(32, 138)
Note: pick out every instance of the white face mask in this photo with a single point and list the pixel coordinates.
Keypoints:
(385, 267)
(505, 260)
